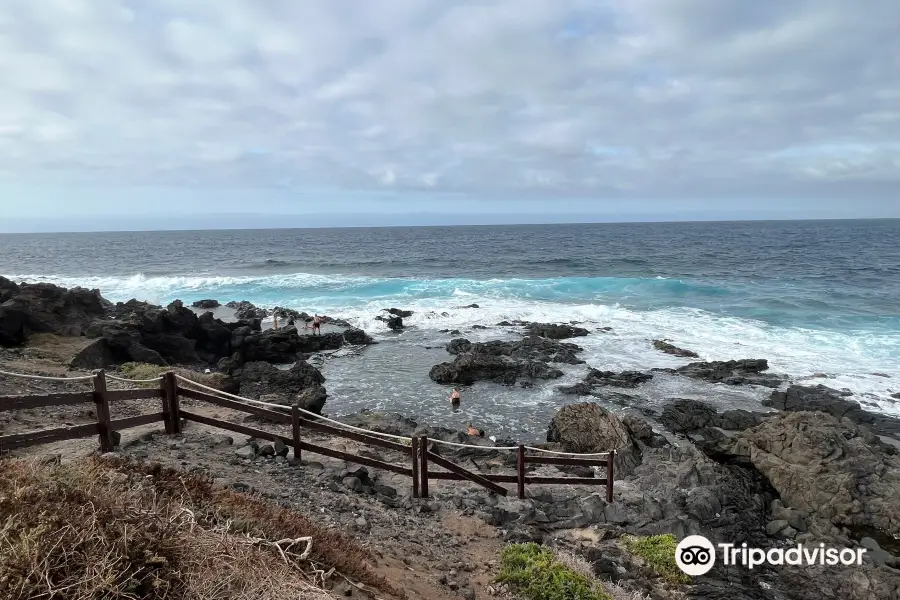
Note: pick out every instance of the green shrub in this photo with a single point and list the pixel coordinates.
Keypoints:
(658, 552)
(534, 573)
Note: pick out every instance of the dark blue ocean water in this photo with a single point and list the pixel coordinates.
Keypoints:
(816, 297)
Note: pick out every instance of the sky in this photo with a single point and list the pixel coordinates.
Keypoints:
(127, 114)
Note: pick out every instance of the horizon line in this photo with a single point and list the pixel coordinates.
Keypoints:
(557, 223)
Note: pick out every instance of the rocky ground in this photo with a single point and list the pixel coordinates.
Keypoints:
(811, 466)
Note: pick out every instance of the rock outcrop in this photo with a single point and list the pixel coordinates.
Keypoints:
(285, 345)
(357, 337)
(668, 348)
(732, 372)
(47, 308)
(833, 402)
(529, 348)
(504, 362)
(834, 470)
(689, 416)
(302, 383)
(589, 428)
(394, 322)
(471, 367)
(247, 310)
(595, 380)
(208, 303)
(554, 331)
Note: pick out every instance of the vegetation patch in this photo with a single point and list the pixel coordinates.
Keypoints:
(658, 552)
(534, 573)
(108, 529)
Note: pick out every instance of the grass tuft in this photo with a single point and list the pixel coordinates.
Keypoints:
(534, 573)
(106, 529)
(658, 552)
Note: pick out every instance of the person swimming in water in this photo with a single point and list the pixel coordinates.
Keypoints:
(454, 398)
(474, 431)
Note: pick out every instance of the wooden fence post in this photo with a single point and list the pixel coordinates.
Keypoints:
(423, 469)
(520, 470)
(168, 393)
(609, 475)
(295, 430)
(415, 465)
(174, 402)
(102, 408)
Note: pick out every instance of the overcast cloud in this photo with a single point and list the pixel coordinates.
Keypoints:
(517, 98)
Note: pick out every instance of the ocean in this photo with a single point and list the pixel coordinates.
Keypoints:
(819, 299)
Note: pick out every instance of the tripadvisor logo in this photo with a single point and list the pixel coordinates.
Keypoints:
(695, 555)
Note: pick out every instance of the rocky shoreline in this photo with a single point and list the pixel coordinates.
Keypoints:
(811, 466)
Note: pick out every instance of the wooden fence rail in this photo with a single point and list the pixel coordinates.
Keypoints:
(170, 392)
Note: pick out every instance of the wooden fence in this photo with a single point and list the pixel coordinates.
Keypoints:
(421, 457)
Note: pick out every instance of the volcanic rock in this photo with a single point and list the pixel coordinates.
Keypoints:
(247, 310)
(588, 428)
(833, 402)
(302, 383)
(833, 469)
(732, 372)
(209, 303)
(668, 348)
(554, 331)
(47, 308)
(596, 380)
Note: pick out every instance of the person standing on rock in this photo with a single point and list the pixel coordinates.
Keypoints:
(454, 398)
(317, 325)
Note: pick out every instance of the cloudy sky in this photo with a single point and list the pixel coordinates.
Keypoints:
(596, 108)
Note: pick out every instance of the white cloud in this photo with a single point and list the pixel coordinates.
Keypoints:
(509, 97)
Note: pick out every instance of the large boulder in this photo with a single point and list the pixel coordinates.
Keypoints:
(208, 303)
(668, 348)
(213, 338)
(555, 331)
(394, 322)
(587, 427)
(48, 308)
(96, 355)
(357, 337)
(247, 310)
(8, 289)
(179, 319)
(285, 345)
(123, 345)
(302, 383)
(471, 367)
(596, 380)
(732, 372)
(835, 403)
(529, 348)
(833, 469)
(504, 362)
(287, 314)
(173, 347)
(13, 326)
